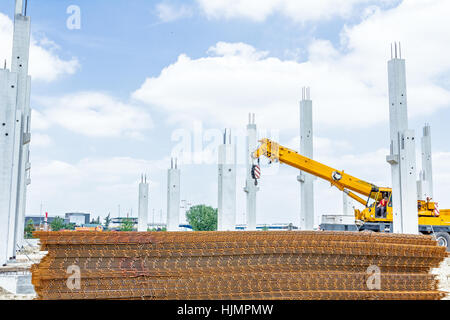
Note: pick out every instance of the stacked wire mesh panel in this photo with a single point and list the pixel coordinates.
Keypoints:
(237, 265)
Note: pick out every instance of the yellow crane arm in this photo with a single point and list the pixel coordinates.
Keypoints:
(337, 178)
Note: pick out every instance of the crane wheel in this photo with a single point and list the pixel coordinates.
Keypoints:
(443, 239)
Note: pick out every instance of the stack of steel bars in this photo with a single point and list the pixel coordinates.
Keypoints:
(236, 265)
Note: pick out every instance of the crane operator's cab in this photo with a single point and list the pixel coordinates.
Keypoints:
(378, 206)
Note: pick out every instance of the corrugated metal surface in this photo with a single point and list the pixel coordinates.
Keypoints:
(237, 265)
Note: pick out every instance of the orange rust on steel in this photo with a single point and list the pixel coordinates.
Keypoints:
(237, 265)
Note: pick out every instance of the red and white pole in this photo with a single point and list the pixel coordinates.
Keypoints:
(46, 222)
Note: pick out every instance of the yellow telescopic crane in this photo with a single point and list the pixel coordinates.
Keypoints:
(339, 179)
(431, 220)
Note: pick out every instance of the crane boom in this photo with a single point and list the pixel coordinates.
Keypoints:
(337, 178)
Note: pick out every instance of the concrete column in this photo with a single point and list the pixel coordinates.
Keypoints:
(410, 217)
(425, 183)
(25, 179)
(347, 205)
(19, 7)
(173, 197)
(420, 184)
(15, 116)
(143, 205)
(226, 220)
(306, 149)
(250, 187)
(402, 146)
(8, 129)
(19, 65)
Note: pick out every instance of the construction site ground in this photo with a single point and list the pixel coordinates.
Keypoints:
(24, 260)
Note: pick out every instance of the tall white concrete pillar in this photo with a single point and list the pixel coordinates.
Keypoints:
(15, 117)
(19, 7)
(402, 156)
(143, 204)
(347, 205)
(425, 183)
(226, 220)
(173, 197)
(306, 149)
(19, 64)
(250, 187)
(8, 159)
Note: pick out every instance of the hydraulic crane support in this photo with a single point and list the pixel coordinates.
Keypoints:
(337, 178)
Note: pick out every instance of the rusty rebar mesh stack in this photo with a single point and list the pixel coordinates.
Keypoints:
(237, 265)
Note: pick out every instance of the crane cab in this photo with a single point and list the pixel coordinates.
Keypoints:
(372, 212)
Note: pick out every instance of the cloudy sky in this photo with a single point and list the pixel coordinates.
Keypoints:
(141, 81)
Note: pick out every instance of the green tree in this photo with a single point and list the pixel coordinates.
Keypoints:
(29, 228)
(202, 218)
(107, 221)
(127, 225)
(57, 224)
(69, 226)
(157, 229)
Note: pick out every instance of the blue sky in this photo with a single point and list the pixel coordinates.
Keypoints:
(109, 97)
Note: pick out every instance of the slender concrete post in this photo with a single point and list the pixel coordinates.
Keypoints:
(19, 7)
(347, 205)
(402, 156)
(173, 197)
(306, 148)
(8, 143)
(250, 187)
(19, 65)
(425, 183)
(226, 220)
(143, 204)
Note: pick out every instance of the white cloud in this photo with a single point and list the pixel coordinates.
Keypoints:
(239, 49)
(222, 89)
(96, 185)
(38, 121)
(45, 64)
(322, 146)
(348, 84)
(94, 114)
(168, 12)
(298, 11)
(441, 179)
(41, 140)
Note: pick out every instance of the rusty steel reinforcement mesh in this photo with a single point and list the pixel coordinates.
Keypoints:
(236, 265)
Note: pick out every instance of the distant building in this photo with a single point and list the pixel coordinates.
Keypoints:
(90, 227)
(78, 218)
(116, 223)
(38, 221)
